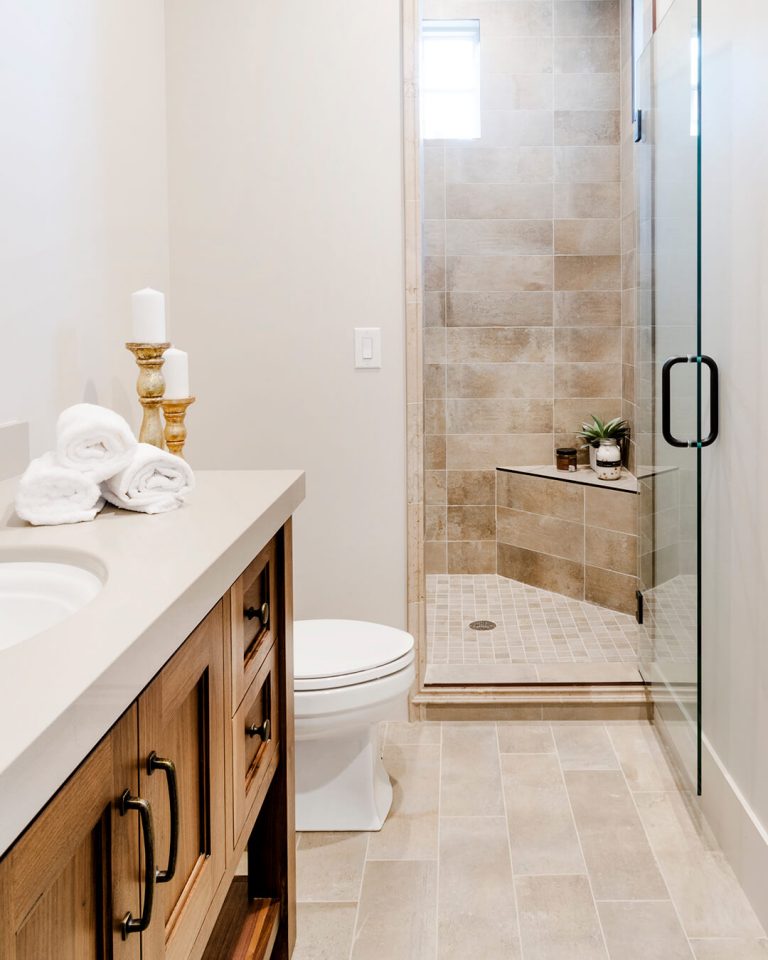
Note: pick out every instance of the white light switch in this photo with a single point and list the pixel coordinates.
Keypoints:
(368, 348)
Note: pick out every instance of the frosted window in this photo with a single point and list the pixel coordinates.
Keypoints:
(450, 79)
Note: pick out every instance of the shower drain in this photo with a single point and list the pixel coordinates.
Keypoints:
(482, 625)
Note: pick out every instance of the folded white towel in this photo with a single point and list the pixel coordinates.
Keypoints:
(50, 494)
(153, 482)
(94, 440)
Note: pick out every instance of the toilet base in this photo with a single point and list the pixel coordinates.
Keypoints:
(341, 783)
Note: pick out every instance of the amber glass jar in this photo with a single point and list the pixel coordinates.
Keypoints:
(566, 459)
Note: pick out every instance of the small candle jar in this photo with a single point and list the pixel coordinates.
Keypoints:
(566, 459)
(608, 460)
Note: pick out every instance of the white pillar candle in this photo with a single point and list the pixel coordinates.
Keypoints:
(148, 308)
(176, 374)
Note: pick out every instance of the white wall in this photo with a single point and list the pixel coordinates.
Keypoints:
(285, 211)
(82, 199)
(735, 506)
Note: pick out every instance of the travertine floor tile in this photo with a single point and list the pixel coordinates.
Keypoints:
(525, 737)
(476, 897)
(641, 757)
(542, 835)
(584, 747)
(329, 866)
(558, 920)
(730, 949)
(397, 916)
(471, 782)
(643, 930)
(410, 733)
(619, 858)
(325, 930)
(410, 831)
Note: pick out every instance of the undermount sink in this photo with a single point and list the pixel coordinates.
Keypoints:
(38, 594)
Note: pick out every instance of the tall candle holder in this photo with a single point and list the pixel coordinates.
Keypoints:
(175, 412)
(150, 387)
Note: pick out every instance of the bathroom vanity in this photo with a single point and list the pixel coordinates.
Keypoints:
(162, 759)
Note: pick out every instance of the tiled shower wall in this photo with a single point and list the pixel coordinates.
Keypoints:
(523, 263)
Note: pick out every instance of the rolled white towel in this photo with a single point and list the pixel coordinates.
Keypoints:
(50, 494)
(94, 440)
(153, 482)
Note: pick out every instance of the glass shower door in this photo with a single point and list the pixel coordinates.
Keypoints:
(671, 384)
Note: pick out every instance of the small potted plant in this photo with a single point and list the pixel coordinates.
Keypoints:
(610, 438)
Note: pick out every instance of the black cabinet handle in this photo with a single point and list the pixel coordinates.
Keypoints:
(714, 401)
(264, 730)
(261, 614)
(129, 924)
(169, 768)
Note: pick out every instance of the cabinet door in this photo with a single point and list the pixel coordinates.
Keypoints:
(73, 876)
(181, 722)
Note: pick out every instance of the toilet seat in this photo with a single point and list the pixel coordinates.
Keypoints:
(329, 654)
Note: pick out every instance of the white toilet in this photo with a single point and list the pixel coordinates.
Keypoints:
(349, 676)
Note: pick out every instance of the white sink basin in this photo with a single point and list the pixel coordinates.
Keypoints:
(36, 595)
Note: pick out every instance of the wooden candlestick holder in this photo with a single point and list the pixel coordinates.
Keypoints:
(175, 412)
(150, 387)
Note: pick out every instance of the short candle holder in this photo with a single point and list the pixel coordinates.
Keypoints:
(175, 412)
(150, 387)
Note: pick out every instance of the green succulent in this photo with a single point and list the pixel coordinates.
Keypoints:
(593, 433)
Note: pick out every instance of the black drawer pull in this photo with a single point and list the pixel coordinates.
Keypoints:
(169, 767)
(261, 614)
(129, 924)
(263, 730)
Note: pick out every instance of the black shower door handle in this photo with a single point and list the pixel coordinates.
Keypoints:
(714, 401)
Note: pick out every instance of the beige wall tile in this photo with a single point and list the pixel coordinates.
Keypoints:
(325, 930)
(397, 914)
(499, 344)
(434, 345)
(525, 91)
(516, 128)
(588, 344)
(471, 781)
(476, 911)
(434, 380)
(434, 453)
(587, 200)
(587, 273)
(434, 274)
(551, 498)
(472, 487)
(498, 165)
(558, 920)
(587, 236)
(586, 54)
(434, 181)
(488, 237)
(586, 18)
(541, 570)
(471, 523)
(586, 164)
(502, 55)
(410, 831)
(559, 538)
(570, 414)
(582, 309)
(588, 91)
(498, 201)
(639, 931)
(619, 859)
(611, 550)
(473, 556)
(587, 128)
(587, 379)
(330, 866)
(434, 238)
(434, 415)
(504, 380)
(497, 415)
(584, 747)
(611, 509)
(435, 520)
(467, 452)
(500, 274)
(499, 309)
(434, 308)
(525, 737)
(435, 493)
(435, 556)
(542, 834)
(609, 589)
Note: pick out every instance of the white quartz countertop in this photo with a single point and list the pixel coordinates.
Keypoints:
(62, 690)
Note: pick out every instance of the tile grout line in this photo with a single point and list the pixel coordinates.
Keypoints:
(578, 838)
(509, 842)
(650, 845)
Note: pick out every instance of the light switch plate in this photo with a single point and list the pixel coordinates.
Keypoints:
(14, 448)
(368, 348)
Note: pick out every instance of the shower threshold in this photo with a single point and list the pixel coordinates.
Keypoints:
(539, 636)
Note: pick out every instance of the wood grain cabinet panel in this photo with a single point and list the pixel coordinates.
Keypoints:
(255, 612)
(181, 720)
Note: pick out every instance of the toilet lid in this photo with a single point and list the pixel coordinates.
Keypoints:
(338, 653)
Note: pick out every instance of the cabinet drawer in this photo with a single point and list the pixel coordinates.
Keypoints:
(254, 741)
(255, 614)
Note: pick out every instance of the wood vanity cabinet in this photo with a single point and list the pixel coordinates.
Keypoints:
(156, 819)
